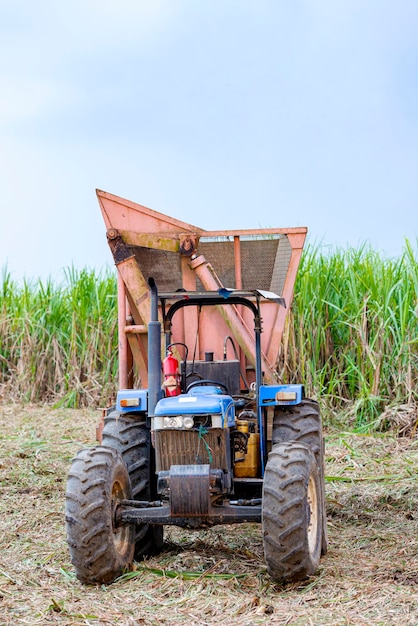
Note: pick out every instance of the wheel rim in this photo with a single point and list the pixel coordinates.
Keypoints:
(121, 534)
(313, 520)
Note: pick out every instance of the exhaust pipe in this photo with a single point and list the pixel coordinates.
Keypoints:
(154, 351)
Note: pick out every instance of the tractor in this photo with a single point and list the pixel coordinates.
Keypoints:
(212, 437)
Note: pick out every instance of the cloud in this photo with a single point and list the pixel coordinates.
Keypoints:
(51, 29)
(26, 98)
(51, 52)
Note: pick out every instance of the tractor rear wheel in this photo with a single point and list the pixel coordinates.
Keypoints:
(302, 423)
(291, 513)
(129, 435)
(99, 550)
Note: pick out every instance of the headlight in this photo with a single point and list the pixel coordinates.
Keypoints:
(179, 421)
(188, 422)
(173, 422)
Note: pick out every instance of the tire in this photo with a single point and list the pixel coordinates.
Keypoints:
(99, 551)
(129, 435)
(291, 513)
(302, 423)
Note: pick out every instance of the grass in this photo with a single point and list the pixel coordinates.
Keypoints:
(59, 342)
(217, 576)
(351, 335)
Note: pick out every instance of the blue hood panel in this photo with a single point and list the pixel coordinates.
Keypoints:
(198, 404)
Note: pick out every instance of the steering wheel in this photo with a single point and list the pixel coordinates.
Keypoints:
(206, 382)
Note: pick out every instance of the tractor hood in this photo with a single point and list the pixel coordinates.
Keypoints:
(198, 404)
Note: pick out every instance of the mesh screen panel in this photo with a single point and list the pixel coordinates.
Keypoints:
(264, 264)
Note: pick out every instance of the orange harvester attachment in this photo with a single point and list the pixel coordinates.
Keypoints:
(178, 255)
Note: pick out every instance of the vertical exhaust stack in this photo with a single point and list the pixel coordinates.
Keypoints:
(154, 351)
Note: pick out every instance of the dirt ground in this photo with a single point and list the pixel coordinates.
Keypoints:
(218, 576)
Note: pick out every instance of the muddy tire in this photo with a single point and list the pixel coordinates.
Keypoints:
(302, 423)
(291, 513)
(97, 481)
(129, 435)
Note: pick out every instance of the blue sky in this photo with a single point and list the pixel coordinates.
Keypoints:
(222, 113)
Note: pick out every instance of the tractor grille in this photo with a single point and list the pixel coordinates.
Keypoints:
(189, 447)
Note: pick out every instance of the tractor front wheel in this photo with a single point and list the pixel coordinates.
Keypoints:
(302, 423)
(291, 513)
(129, 435)
(97, 481)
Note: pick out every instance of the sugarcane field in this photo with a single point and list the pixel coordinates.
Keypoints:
(350, 336)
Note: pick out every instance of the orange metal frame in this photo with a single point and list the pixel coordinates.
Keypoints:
(136, 226)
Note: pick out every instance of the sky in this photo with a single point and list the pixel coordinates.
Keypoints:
(221, 113)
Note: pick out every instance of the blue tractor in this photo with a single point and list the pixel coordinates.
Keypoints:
(199, 447)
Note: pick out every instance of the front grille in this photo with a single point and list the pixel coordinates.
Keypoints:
(191, 447)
